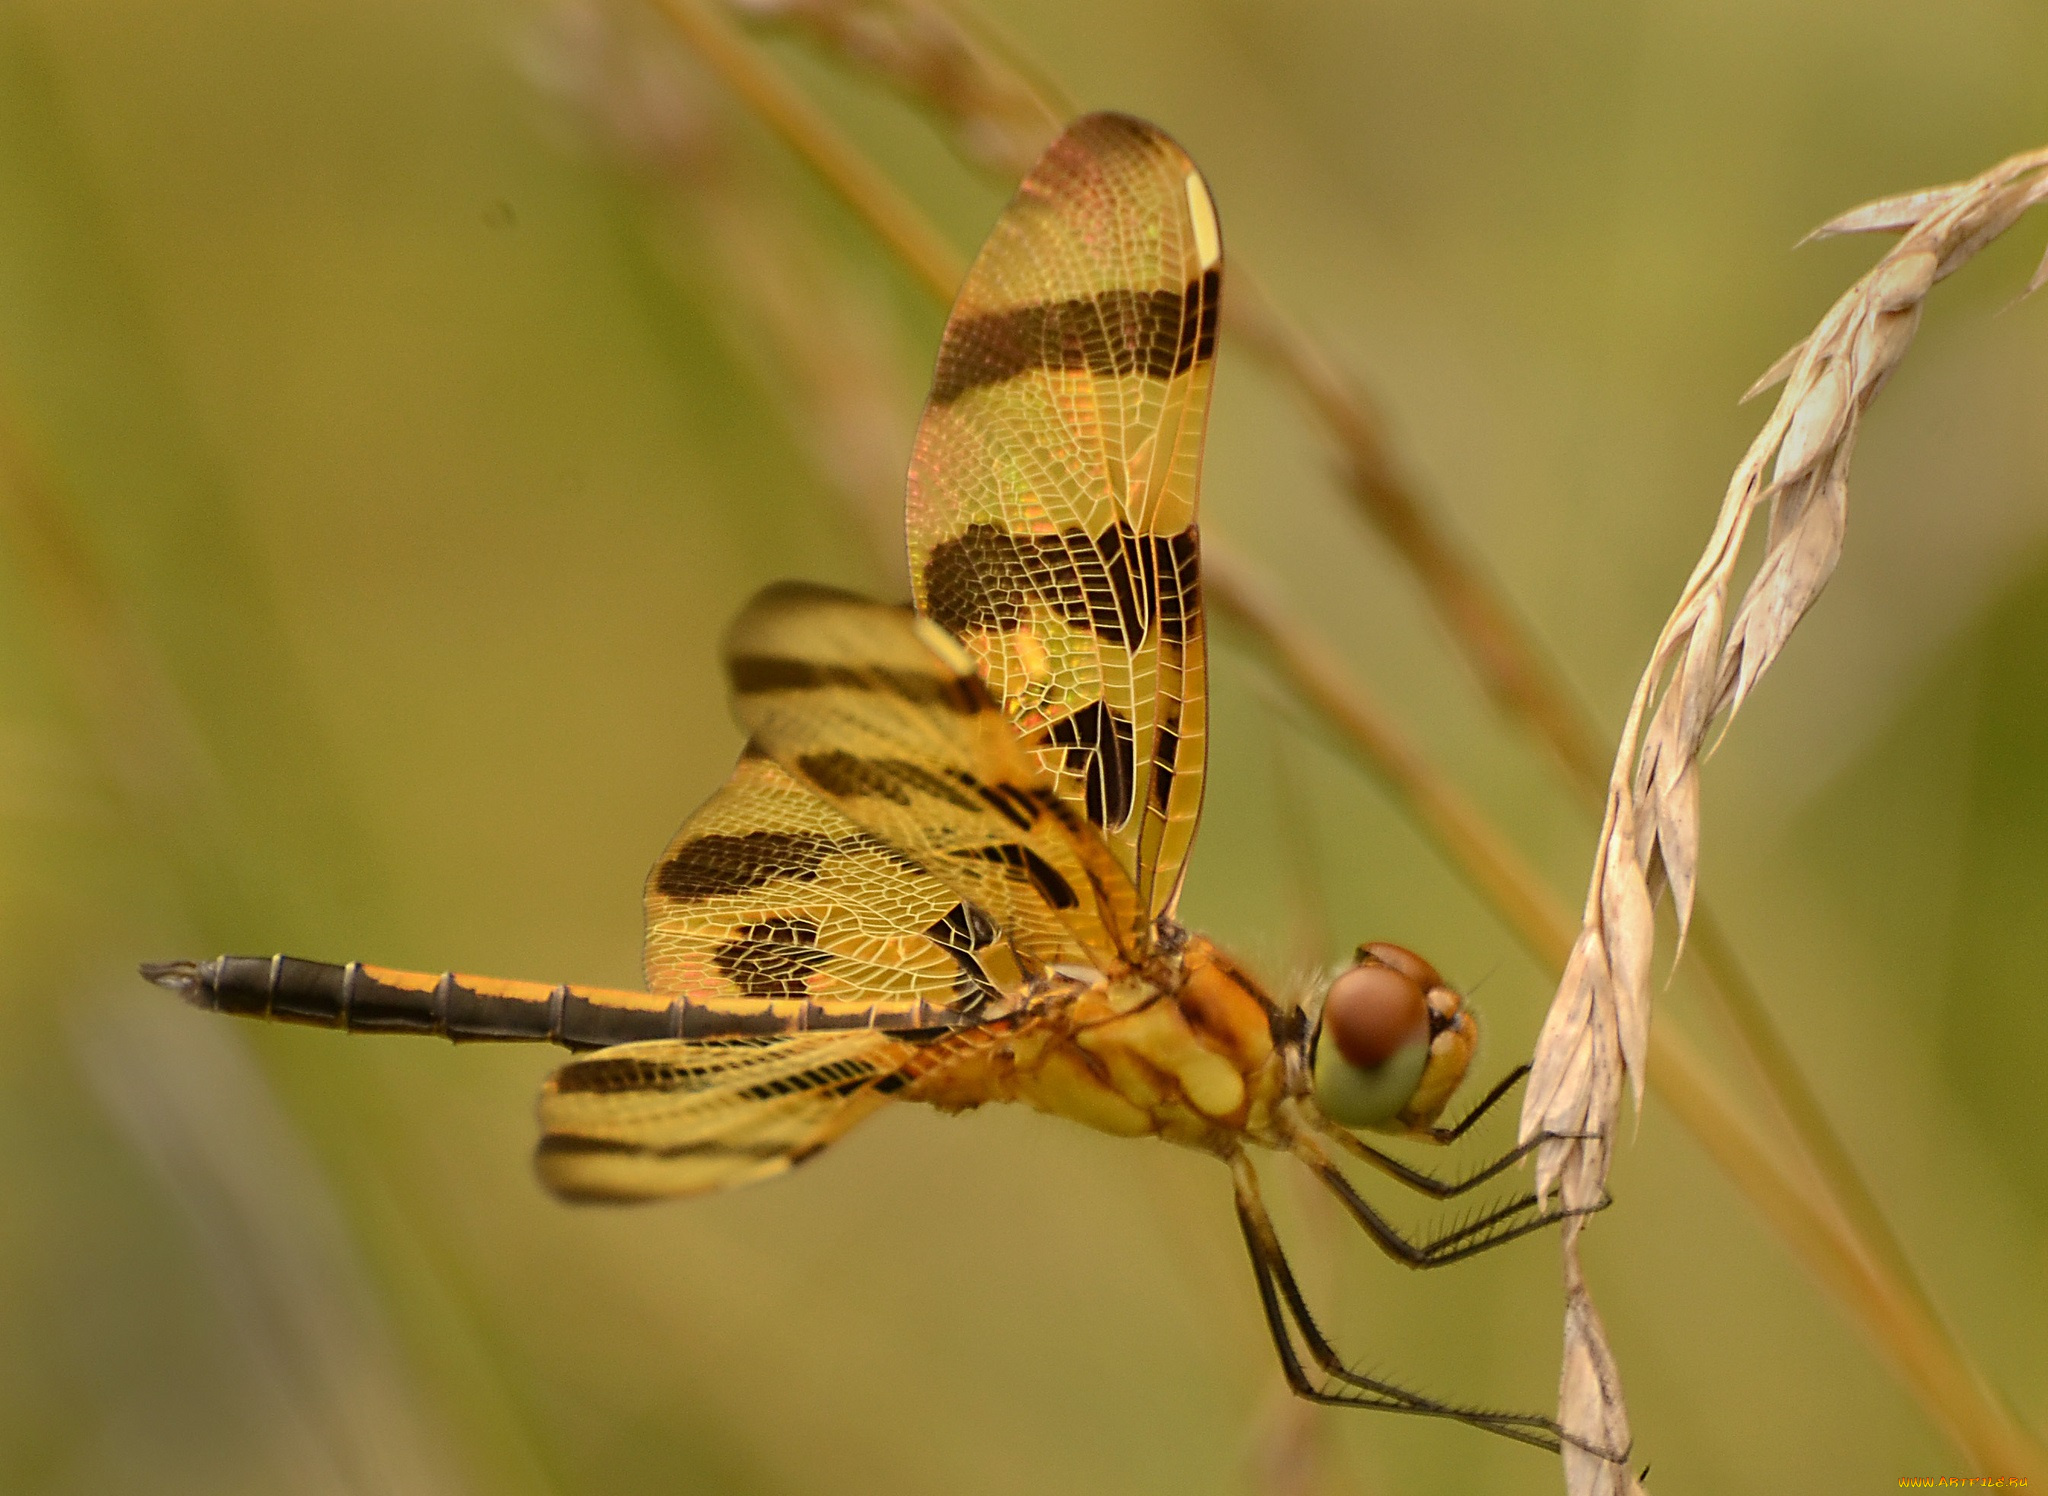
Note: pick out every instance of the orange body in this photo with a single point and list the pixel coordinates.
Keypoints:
(1186, 1054)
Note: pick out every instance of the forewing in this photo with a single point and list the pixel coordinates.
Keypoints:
(887, 718)
(769, 894)
(667, 1117)
(1051, 506)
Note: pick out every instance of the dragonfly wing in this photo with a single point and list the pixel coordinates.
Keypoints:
(886, 717)
(769, 894)
(824, 970)
(1052, 491)
(666, 1118)
(935, 810)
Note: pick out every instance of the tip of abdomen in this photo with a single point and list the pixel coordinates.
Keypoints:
(181, 977)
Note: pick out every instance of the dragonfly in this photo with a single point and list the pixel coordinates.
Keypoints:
(946, 866)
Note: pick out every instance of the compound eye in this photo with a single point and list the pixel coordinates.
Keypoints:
(1374, 1012)
(1403, 960)
(1373, 1043)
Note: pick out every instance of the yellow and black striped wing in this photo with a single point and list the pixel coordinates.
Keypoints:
(1052, 493)
(666, 1118)
(769, 898)
(887, 720)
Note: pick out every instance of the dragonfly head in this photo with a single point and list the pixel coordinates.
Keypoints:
(1391, 1043)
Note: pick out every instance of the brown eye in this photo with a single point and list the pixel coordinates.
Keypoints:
(1377, 1009)
(1402, 960)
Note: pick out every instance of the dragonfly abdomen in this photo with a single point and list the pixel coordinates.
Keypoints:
(376, 999)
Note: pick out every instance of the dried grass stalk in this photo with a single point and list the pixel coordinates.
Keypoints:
(1000, 115)
(1706, 662)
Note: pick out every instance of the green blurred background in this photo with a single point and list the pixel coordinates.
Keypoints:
(401, 396)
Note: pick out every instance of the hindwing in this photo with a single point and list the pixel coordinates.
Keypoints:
(666, 1118)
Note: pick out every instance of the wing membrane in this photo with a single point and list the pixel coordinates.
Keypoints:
(1052, 493)
(887, 718)
(769, 894)
(666, 1118)
(921, 824)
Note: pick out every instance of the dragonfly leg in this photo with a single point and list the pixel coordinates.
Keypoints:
(1486, 1104)
(1421, 1180)
(1516, 1218)
(1287, 1313)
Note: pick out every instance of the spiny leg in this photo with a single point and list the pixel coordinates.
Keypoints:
(1486, 1104)
(1421, 1180)
(1281, 1299)
(1495, 1228)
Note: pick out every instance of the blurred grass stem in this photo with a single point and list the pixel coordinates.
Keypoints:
(805, 129)
(146, 744)
(194, 1107)
(1315, 674)
(1962, 1403)
(1515, 669)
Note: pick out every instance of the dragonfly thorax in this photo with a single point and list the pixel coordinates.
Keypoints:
(1180, 1048)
